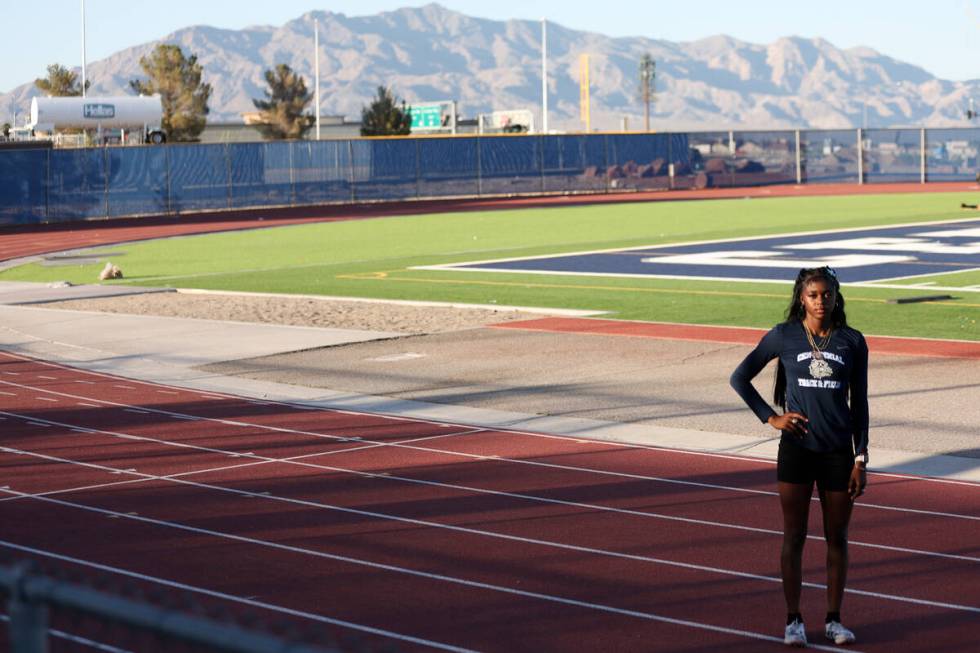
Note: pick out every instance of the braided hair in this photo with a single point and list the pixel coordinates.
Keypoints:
(796, 314)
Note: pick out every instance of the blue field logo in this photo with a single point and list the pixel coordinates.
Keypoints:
(860, 255)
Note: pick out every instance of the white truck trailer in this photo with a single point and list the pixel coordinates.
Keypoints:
(142, 113)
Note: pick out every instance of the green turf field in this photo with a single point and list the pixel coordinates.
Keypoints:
(373, 258)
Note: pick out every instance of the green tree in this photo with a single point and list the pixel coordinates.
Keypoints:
(5, 129)
(60, 82)
(178, 81)
(282, 110)
(383, 117)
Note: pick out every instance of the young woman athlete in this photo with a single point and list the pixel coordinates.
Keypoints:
(822, 387)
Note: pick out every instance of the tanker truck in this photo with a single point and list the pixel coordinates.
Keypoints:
(141, 113)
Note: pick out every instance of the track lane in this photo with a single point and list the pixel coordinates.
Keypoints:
(563, 454)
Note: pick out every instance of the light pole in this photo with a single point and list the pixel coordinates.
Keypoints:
(316, 72)
(544, 75)
(83, 48)
(648, 73)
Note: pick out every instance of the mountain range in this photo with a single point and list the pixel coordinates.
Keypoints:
(431, 53)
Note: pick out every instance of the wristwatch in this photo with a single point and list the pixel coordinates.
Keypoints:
(861, 458)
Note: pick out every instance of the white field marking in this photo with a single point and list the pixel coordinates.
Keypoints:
(42, 424)
(77, 639)
(85, 382)
(598, 607)
(951, 233)
(520, 461)
(123, 386)
(883, 282)
(12, 373)
(233, 598)
(136, 410)
(8, 394)
(47, 378)
(890, 244)
(82, 403)
(168, 392)
(752, 258)
(47, 399)
(395, 358)
(297, 460)
(613, 444)
(453, 266)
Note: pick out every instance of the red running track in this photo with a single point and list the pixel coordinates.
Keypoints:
(435, 536)
(737, 335)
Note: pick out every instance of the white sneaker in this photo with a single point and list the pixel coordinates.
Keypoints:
(796, 634)
(838, 633)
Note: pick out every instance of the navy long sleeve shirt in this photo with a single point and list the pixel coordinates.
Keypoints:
(834, 424)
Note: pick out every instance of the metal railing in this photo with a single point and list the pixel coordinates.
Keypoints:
(33, 596)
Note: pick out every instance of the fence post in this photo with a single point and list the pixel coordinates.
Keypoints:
(860, 149)
(418, 168)
(922, 155)
(28, 619)
(105, 171)
(228, 172)
(47, 187)
(799, 160)
(350, 160)
(166, 167)
(541, 161)
(479, 165)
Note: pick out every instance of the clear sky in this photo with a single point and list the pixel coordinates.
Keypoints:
(942, 36)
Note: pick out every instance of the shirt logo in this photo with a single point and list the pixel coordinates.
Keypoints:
(807, 355)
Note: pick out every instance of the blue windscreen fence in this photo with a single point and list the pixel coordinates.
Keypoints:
(60, 185)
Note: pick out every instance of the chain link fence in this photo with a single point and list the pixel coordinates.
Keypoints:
(55, 185)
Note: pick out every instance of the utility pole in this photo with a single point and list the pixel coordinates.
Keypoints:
(648, 74)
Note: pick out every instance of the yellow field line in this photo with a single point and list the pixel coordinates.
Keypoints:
(386, 276)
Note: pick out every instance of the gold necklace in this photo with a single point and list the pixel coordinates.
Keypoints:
(819, 368)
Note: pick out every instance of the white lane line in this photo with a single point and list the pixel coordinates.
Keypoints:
(503, 589)
(454, 528)
(136, 411)
(82, 403)
(168, 392)
(85, 382)
(123, 386)
(517, 461)
(47, 378)
(301, 461)
(12, 373)
(39, 424)
(47, 399)
(222, 468)
(417, 420)
(319, 618)
(8, 394)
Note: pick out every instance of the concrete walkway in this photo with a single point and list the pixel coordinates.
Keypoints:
(171, 350)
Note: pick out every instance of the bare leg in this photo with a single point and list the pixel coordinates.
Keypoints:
(836, 516)
(795, 501)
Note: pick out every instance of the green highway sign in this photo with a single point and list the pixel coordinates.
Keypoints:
(426, 116)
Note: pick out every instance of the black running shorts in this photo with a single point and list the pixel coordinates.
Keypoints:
(796, 464)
